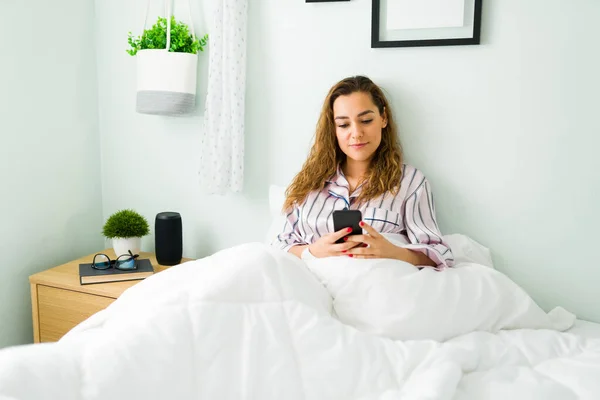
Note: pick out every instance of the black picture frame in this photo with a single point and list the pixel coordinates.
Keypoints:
(474, 39)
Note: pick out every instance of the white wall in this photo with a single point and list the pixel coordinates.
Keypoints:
(505, 131)
(151, 163)
(49, 148)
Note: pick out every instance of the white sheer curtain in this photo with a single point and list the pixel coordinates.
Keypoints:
(222, 148)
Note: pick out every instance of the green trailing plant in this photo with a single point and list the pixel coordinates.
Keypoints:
(182, 40)
(125, 224)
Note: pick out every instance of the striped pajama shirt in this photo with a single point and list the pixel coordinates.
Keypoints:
(410, 213)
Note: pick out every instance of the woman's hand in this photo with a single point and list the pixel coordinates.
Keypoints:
(374, 245)
(326, 245)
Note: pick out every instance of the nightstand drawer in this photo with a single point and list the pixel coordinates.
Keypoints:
(60, 310)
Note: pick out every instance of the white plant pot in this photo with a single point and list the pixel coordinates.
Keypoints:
(166, 82)
(124, 245)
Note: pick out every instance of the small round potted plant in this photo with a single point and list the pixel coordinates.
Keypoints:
(126, 229)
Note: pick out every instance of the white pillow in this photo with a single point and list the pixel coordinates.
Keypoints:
(467, 250)
(276, 199)
(395, 299)
(463, 248)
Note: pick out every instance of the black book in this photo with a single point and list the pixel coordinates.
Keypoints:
(88, 275)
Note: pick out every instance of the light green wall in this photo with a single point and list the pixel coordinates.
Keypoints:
(524, 173)
(160, 173)
(506, 131)
(50, 207)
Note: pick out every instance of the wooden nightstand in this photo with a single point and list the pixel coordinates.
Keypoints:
(59, 302)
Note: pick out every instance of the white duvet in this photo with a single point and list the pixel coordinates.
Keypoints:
(255, 323)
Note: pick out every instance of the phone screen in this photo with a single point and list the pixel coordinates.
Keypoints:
(347, 219)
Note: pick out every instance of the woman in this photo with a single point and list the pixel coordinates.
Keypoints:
(356, 163)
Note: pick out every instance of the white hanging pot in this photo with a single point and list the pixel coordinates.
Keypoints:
(166, 81)
(124, 245)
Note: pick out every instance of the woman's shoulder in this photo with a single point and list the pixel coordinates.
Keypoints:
(411, 172)
(412, 177)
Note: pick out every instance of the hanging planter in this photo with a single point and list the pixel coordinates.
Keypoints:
(167, 61)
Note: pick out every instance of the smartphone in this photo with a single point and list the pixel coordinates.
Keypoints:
(347, 219)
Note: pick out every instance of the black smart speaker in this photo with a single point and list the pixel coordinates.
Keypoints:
(168, 238)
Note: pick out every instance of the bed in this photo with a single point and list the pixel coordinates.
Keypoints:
(252, 322)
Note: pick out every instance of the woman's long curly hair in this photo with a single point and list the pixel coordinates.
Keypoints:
(385, 170)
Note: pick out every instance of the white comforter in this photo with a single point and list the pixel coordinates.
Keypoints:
(254, 323)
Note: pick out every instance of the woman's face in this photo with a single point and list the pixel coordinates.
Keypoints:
(358, 125)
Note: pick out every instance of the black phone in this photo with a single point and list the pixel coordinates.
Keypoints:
(347, 219)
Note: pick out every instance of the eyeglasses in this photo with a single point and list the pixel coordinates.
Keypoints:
(125, 262)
